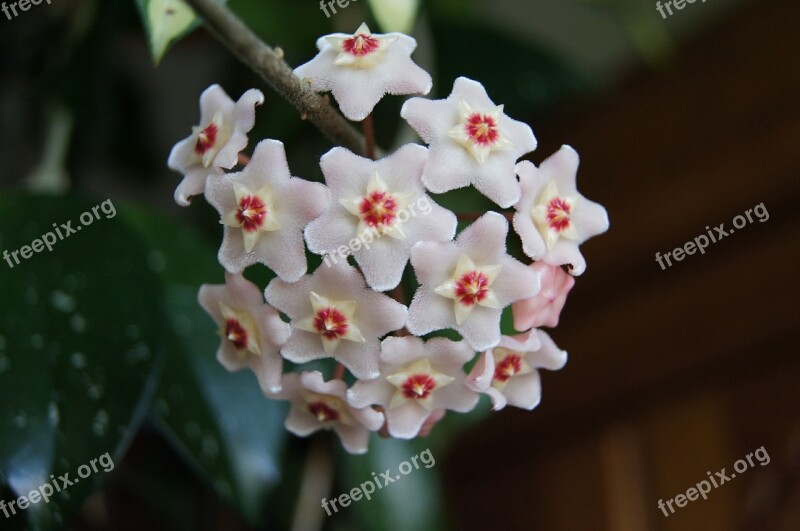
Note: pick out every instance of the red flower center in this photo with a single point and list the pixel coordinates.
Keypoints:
(360, 45)
(472, 288)
(323, 411)
(558, 211)
(378, 209)
(331, 323)
(251, 213)
(418, 386)
(508, 367)
(482, 129)
(206, 139)
(236, 334)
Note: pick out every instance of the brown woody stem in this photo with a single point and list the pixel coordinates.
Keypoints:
(269, 64)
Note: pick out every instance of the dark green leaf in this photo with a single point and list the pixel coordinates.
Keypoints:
(78, 360)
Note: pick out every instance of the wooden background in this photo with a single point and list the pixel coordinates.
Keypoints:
(671, 373)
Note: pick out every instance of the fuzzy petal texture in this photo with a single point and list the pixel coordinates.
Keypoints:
(359, 78)
(254, 338)
(215, 144)
(317, 404)
(437, 365)
(552, 218)
(342, 286)
(472, 141)
(381, 254)
(508, 373)
(436, 265)
(545, 307)
(266, 209)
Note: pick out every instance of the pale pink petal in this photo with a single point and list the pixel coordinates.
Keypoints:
(524, 391)
(355, 439)
(404, 422)
(549, 356)
(243, 117)
(370, 392)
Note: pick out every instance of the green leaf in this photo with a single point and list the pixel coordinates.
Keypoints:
(78, 362)
(522, 77)
(166, 22)
(220, 422)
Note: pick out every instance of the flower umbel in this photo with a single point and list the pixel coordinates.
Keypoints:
(348, 316)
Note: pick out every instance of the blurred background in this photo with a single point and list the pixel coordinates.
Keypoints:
(681, 122)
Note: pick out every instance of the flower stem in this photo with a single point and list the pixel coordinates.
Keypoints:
(338, 372)
(269, 64)
(369, 135)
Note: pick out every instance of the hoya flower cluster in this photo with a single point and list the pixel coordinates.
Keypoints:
(403, 375)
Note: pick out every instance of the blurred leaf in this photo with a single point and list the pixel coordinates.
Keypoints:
(395, 15)
(178, 253)
(524, 78)
(166, 22)
(78, 367)
(220, 421)
(413, 502)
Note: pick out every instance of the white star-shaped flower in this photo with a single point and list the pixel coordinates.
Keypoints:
(252, 332)
(508, 372)
(466, 284)
(419, 381)
(378, 212)
(264, 210)
(334, 314)
(359, 69)
(214, 145)
(552, 218)
(471, 141)
(320, 405)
